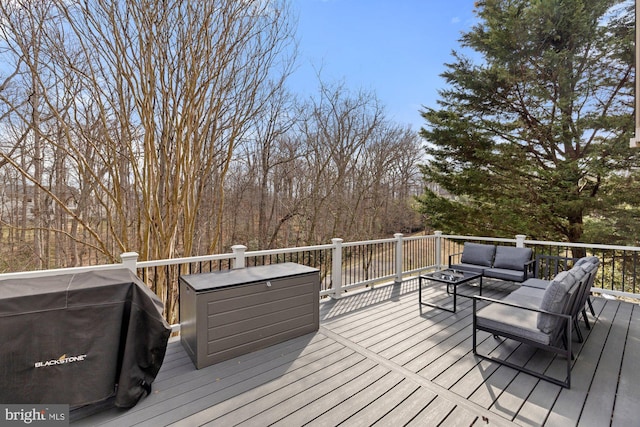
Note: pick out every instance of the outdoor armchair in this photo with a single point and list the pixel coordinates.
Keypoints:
(536, 317)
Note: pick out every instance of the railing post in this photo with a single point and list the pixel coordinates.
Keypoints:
(336, 268)
(399, 257)
(438, 235)
(129, 260)
(238, 252)
(520, 240)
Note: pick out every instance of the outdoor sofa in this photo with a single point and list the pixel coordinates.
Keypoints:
(498, 262)
(540, 313)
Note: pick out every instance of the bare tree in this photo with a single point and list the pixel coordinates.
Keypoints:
(157, 95)
(336, 131)
(163, 127)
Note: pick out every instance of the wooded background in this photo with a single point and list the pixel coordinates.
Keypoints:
(164, 127)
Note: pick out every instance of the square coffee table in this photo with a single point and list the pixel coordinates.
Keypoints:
(452, 278)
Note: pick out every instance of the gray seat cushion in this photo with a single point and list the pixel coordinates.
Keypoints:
(536, 283)
(511, 258)
(478, 254)
(527, 296)
(468, 267)
(554, 300)
(511, 320)
(504, 274)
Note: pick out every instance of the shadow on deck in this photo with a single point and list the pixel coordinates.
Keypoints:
(380, 358)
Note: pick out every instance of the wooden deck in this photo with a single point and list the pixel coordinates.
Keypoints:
(381, 359)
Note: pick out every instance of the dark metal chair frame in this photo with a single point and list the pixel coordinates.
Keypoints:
(560, 343)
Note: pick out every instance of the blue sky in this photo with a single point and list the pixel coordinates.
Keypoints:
(395, 48)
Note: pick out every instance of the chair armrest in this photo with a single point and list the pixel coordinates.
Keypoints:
(451, 258)
(511, 304)
(529, 269)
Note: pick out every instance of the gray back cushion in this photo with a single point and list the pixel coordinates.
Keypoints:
(588, 267)
(478, 254)
(587, 259)
(512, 258)
(554, 300)
(578, 272)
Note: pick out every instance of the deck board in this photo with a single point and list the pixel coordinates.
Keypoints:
(439, 410)
(357, 403)
(317, 400)
(626, 407)
(599, 403)
(335, 396)
(381, 359)
(262, 399)
(407, 410)
(570, 402)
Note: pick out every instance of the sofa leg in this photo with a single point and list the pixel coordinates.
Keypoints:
(586, 319)
(567, 346)
(578, 331)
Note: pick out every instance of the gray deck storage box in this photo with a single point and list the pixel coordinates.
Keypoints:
(228, 313)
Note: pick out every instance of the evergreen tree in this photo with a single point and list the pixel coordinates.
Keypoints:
(526, 139)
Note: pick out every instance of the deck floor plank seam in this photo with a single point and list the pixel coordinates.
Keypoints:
(310, 399)
(384, 404)
(544, 362)
(293, 348)
(349, 411)
(570, 402)
(437, 366)
(337, 395)
(441, 391)
(600, 400)
(203, 397)
(256, 402)
(231, 375)
(626, 410)
(438, 410)
(406, 410)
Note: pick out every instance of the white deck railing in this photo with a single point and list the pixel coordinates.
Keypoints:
(346, 266)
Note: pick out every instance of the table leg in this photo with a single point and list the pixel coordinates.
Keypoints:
(455, 294)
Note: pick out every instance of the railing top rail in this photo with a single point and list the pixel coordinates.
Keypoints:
(184, 260)
(546, 243)
(484, 239)
(430, 236)
(369, 242)
(583, 245)
(288, 250)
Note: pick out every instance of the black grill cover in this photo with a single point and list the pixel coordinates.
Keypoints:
(79, 339)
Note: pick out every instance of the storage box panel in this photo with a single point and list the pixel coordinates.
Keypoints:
(259, 323)
(261, 295)
(221, 351)
(226, 317)
(230, 313)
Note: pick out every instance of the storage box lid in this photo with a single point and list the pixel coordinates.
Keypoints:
(222, 279)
